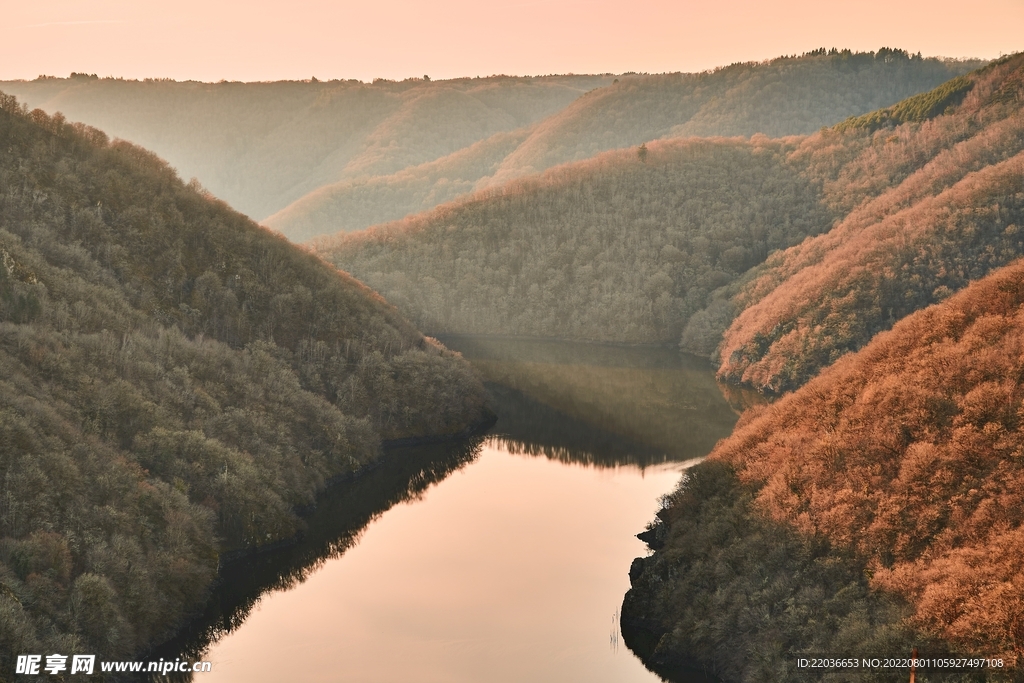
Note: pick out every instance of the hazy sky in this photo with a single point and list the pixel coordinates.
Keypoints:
(272, 39)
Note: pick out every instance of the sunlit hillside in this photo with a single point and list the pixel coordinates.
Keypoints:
(933, 192)
(260, 146)
(175, 381)
(881, 504)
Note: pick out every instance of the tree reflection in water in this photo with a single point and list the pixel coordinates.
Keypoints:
(591, 404)
(601, 404)
(341, 515)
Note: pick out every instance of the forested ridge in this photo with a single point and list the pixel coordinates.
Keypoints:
(779, 97)
(176, 381)
(877, 508)
(261, 146)
(933, 199)
(624, 247)
(784, 96)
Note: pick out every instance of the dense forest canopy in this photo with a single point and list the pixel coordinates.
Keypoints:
(624, 247)
(902, 462)
(175, 381)
(785, 96)
(260, 146)
(929, 206)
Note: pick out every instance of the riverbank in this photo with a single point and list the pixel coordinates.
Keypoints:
(571, 435)
(728, 595)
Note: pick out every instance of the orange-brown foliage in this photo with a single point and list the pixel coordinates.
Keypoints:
(929, 207)
(910, 452)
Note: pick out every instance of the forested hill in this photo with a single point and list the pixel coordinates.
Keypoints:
(623, 247)
(882, 501)
(785, 96)
(260, 146)
(174, 382)
(932, 191)
(656, 243)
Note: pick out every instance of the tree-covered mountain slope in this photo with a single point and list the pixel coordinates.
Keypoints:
(623, 247)
(261, 146)
(933, 196)
(174, 382)
(892, 484)
(786, 96)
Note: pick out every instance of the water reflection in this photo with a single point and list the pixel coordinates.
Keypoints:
(527, 426)
(508, 571)
(601, 404)
(341, 516)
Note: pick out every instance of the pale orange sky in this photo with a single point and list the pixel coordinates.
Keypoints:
(269, 39)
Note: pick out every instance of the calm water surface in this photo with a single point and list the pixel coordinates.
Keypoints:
(497, 560)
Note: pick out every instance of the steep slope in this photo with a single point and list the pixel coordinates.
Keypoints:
(260, 146)
(898, 470)
(174, 382)
(624, 247)
(933, 196)
(352, 205)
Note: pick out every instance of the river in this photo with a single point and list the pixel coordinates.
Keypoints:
(503, 558)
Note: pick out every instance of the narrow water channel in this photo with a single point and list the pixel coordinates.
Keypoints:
(500, 559)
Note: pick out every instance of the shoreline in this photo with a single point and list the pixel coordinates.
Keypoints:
(234, 560)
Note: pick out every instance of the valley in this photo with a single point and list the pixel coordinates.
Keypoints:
(583, 377)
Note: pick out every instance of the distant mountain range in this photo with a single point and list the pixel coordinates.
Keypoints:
(313, 159)
(785, 96)
(261, 146)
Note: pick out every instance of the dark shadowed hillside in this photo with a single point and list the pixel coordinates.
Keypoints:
(933, 194)
(175, 381)
(260, 146)
(892, 483)
(624, 247)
